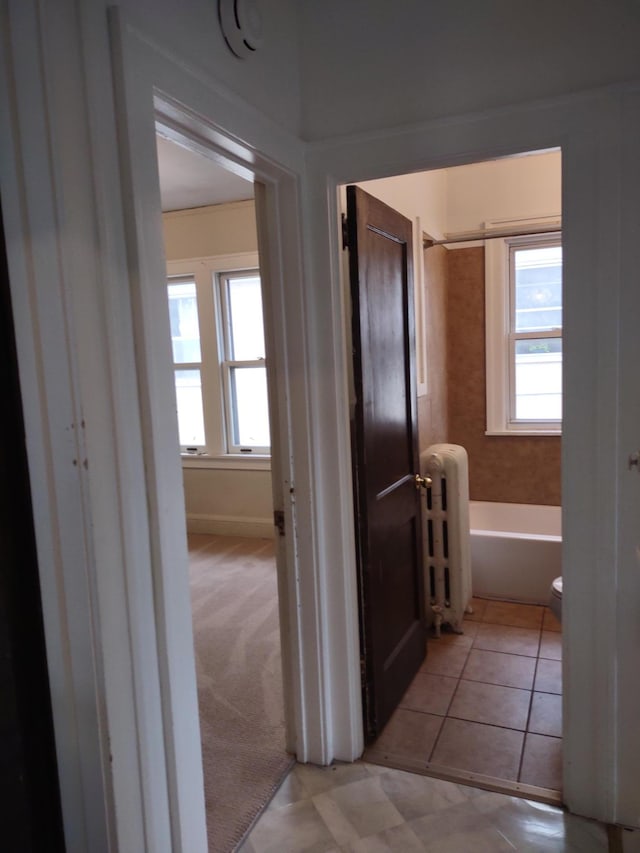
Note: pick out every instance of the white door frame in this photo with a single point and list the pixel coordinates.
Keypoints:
(153, 89)
(587, 129)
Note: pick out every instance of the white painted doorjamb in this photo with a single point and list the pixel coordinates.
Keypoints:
(581, 126)
(324, 644)
(149, 79)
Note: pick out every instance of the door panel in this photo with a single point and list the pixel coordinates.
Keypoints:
(385, 453)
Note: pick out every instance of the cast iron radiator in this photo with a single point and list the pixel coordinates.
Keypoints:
(446, 540)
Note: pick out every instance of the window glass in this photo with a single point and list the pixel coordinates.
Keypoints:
(538, 379)
(189, 401)
(538, 288)
(245, 318)
(250, 406)
(183, 315)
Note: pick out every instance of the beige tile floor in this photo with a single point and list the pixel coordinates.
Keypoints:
(486, 702)
(366, 808)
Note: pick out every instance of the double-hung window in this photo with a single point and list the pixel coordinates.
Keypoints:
(218, 342)
(524, 334)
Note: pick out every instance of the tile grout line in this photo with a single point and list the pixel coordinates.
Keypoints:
(497, 684)
(446, 715)
(533, 684)
(491, 725)
(512, 654)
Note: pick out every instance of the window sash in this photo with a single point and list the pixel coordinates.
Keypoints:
(216, 452)
(502, 339)
(236, 427)
(189, 403)
(514, 338)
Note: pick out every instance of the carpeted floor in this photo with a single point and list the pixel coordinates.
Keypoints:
(237, 646)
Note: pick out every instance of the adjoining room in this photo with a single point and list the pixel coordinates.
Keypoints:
(219, 354)
(485, 706)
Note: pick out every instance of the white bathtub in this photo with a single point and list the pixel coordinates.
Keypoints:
(516, 550)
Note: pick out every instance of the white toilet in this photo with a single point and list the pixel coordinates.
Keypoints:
(555, 598)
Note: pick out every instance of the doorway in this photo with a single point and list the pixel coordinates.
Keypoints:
(214, 288)
(510, 652)
(324, 638)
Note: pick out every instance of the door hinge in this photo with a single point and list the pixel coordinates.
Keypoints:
(278, 520)
(345, 232)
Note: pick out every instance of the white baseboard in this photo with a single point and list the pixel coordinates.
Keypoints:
(231, 525)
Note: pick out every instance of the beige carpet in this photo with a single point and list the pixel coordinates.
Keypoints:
(237, 645)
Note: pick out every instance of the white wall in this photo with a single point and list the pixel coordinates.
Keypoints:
(227, 501)
(463, 198)
(511, 188)
(371, 64)
(202, 232)
(424, 195)
(190, 30)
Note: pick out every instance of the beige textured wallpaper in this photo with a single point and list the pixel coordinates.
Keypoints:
(512, 469)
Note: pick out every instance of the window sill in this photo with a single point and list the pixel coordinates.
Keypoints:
(524, 432)
(228, 461)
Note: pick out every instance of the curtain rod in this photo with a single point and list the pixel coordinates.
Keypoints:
(427, 243)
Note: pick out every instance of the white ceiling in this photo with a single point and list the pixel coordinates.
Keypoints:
(190, 180)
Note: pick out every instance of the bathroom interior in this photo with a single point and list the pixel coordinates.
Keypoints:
(486, 705)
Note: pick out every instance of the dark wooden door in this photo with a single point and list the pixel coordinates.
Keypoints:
(385, 453)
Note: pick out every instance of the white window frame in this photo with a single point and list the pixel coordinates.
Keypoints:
(206, 273)
(500, 339)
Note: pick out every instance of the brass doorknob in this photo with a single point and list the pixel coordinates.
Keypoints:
(422, 482)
